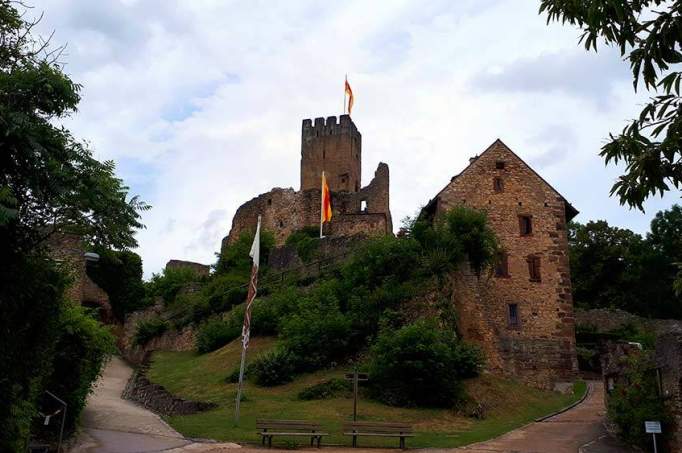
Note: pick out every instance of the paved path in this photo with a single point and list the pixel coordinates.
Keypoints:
(113, 425)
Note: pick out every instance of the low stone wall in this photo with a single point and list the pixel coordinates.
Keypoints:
(156, 398)
(169, 341)
(607, 319)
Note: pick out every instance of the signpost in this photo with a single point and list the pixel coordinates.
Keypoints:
(653, 428)
(356, 377)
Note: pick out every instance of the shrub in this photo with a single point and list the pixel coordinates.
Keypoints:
(636, 400)
(273, 368)
(234, 258)
(216, 333)
(79, 357)
(224, 291)
(149, 328)
(306, 241)
(420, 364)
(326, 390)
(119, 273)
(168, 284)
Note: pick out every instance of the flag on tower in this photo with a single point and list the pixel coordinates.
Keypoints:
(348, 92)
(326, 204)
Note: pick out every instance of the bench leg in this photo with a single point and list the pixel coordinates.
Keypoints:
(319, 440)
(402, 443)
(269, 441)
(312, 440)
(355, 441)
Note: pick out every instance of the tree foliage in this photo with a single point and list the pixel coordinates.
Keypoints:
(647, 33)
(616, 268)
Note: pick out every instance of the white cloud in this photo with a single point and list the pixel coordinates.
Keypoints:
(201, 102)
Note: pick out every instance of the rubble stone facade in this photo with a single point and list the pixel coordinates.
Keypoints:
(333, 147)
(522, 313)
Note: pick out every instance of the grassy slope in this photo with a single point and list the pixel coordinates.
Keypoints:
(201, 377)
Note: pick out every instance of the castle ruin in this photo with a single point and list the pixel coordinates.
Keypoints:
(334, 146)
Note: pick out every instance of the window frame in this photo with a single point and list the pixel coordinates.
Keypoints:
(534, 268)
(516, 322)
(503, 257)
(522, 218)
(498, 184)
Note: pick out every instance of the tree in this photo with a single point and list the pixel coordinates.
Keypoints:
(49, 181)
(647, 32)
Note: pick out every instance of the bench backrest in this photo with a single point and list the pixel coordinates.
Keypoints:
(378, 427)
(295, 425)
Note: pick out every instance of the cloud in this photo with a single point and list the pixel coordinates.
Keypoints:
(576, 73)
(200, 103)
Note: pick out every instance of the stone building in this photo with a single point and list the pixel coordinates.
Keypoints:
(68, 250)
(334, 146)
(522, 313)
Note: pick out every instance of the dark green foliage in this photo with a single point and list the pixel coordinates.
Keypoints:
(235, 257)
(31, 300)
(636, 400)
(306, 241)
(273, 368)
(616, 268)
(217, 332)
(224, 291)
(420, 364)
(149, 328)
(169, 282)
(333, 388)
(79, 356)
(648, 35)
(119, 273)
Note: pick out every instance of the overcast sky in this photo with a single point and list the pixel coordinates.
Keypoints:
(200, 102)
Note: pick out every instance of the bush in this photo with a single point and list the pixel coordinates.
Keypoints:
(168, 284)
(636, 400)
(224, 291)
(79, 357)
(119, 273)
(234, 258)
(306, 241)
(217, 332)
(332, 388)
(149, 328)
(273, 368)
(421, 365)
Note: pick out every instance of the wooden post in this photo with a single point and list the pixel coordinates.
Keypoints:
(356, 378)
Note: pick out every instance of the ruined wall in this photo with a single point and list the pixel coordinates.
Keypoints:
(284, 211)
(68, 250)
(669, 363)
(200, 269)
(541, 348)
(335, 148)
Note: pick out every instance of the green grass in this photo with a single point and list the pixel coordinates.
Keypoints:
(202, 377)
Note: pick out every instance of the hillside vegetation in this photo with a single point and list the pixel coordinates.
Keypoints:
(493, 405)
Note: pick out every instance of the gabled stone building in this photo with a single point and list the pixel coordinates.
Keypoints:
(522, 313)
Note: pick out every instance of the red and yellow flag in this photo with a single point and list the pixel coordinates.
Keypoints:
(326, 212)
(348, 92)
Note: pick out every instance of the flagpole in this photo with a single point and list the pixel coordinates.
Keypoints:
(344, 95)
(246, 329)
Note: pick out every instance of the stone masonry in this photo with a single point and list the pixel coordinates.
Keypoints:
(522, 313)
(333, 147)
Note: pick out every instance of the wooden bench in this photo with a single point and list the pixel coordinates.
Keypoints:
(270, 428)
(378, 429)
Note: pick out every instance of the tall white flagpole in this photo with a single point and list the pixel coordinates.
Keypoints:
(246, 329)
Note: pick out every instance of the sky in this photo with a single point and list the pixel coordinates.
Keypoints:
(200, 102)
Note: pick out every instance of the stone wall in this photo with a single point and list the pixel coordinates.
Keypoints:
(156, 398)
(171, 340)
(200, 269)
(68, 250)
(540, 348)
(669, 364)
(607, 319)
(284, 211)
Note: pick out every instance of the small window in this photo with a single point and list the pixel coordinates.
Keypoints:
(525, 225)
(502, 265)
(534, 268)
(324, 154)
(513, 315)
(281, 224)
(499, 165)
(363, 206)
(269, 201)
(498, 185)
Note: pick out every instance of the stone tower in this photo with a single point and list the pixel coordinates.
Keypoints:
(336, 149)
